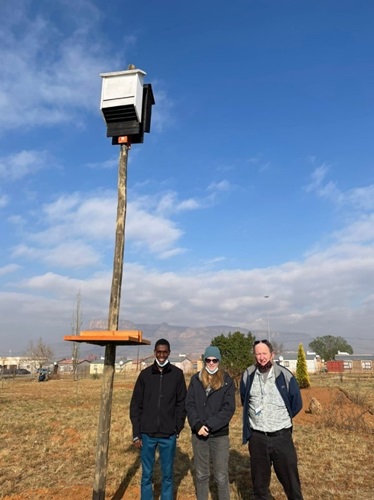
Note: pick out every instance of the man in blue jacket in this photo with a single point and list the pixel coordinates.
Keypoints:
(271, 398)
(157, 414)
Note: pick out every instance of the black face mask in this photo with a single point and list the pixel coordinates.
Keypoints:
(265, 368)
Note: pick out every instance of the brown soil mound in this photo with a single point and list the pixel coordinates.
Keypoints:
(330, 398)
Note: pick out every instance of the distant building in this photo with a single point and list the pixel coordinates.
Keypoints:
(136, 365)
(289, 360)
(13, 363)
(352, 363)
(65, 366)
(182, 362)
(123, 366)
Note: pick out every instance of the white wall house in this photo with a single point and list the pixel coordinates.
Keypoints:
(289, 360)
(125, 366)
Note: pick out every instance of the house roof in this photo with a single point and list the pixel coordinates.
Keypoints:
(172, 359)
(69, 361)
(354, 357)
(292, 356)
(101, 361)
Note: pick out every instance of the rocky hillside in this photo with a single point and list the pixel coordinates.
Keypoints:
(183, 339)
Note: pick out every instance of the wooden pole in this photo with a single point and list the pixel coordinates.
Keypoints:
(110, 349)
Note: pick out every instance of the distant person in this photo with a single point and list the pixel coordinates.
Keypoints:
(271, 398)
(157, 413)
(43, 375)
(210, 405)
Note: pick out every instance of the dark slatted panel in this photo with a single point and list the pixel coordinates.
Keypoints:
(119, 114)
(122, 128)
(122, 120)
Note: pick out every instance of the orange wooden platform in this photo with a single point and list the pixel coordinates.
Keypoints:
(103, 337)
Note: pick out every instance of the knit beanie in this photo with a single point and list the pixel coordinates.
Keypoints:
(212, 352)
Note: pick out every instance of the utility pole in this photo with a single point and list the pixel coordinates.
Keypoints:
(267, 315)
(113, 319)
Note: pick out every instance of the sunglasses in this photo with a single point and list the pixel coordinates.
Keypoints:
(265, 341)
(211, 360)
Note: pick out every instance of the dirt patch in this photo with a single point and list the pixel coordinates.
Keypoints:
(330, 398)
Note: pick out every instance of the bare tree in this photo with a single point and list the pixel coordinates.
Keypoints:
(39, 353)
(278, 347)
(76, 325)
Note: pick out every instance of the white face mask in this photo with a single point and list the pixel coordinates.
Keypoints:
(161, 365)
(211, 372)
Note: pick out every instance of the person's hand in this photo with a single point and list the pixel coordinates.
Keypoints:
(204, 431)
(138, 444)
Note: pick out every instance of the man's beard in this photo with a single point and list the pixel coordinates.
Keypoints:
(264, 368)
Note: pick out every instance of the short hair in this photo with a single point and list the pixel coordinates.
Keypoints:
(162, 342)
(264, 341)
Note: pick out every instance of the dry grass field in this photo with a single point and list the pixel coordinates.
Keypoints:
(48, 442)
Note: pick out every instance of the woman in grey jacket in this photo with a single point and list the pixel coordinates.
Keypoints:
(210, 405)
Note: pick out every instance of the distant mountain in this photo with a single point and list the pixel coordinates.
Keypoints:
(183, 339)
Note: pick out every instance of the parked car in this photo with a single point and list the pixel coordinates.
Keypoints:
(22, 371)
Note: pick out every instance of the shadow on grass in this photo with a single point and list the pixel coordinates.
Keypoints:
(239, 477)
(182, 465)
(118, 495)
(240, 474)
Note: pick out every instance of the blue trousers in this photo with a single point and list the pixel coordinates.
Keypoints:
(166, 448)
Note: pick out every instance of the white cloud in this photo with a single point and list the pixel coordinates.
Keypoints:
(75, 230)
(328, 292)
(69, 254)
(48, 76)
(189, 204)
(162, 113)
(10, 268)
(359, 198)
(110, 164)
(4, 200)
(259, 163)
(317, 177)
(314, 295)
(223, 185)
(15, 167)
(154, 231)
(167, 254)
(168, 203)
(359, 231)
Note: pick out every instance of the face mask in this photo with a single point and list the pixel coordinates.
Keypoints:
(211, 372)
(265, 368)
(161, 365)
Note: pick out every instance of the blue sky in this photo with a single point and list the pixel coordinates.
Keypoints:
(256, 179)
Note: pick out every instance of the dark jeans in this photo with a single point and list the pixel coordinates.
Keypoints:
(280, 452)
(166, 448)
(217, 450)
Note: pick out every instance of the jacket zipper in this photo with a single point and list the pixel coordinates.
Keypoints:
(159, 403)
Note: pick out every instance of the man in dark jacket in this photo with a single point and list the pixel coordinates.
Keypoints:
(157, 413)
(271, 398)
